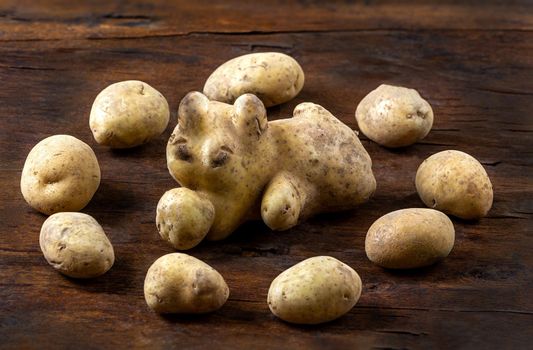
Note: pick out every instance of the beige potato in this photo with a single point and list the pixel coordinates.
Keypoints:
(455, 183)
(316, 290)
(76, 245)
(128, 114)
(409, 238)
(394, 116)
(282, 171)
(272, 76)
(180, 283)
(184, 217)
(61, 173)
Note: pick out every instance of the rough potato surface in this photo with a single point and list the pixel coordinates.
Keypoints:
(128, 114)
(184, 217)
(76, 245)
(316, 290)
(61, 173)
(455, 183)
(410, 238)
(180, 283)
(283, 171)
(273, 77)
(394, 116)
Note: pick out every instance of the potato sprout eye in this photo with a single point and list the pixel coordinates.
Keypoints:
(183, 153)
(220, 159)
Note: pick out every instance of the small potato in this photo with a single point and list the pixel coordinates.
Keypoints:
(61, 173)
(272, 76)
(128, 114)
(184, 217)
(409, 238)
(316, 290)
(180, 283)
(394, 116)
(76, 245)
(455, 183)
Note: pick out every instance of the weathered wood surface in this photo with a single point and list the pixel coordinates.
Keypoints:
(472, 61)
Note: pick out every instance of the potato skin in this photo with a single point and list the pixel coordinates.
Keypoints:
(128, 114)
(409, 238)
(316, 290)
(184, 217)
(455, 183)
(61, 173)
(180, 283)
(394, 116)
(272, 76)
(76, 245)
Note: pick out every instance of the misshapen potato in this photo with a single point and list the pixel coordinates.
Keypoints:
(76, 245)
(180, 283)
(283, 171)
(128, 114)
(184, 217)
(273, 77)
(394, 116)
(455, 183)
(61, 173)
(316, 290)
(410, 238)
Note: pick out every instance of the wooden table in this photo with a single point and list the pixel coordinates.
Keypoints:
(473, 63)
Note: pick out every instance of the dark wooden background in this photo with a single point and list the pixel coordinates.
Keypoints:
(472, 60)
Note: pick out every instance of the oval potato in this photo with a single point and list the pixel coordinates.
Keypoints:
(455, 183)
(184, 217)
(272, 76)
(180, 283)
(394, 116)
(128, 114)
(409, 238)
(316, 290)
(76, 245)
(61, 173)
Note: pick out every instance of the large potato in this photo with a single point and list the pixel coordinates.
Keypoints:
(272, 76)
(184, 217)
(61, 173)
(316, 290)
(128, 114)
(76, 245)
(409, 238)
(180, 283)
(455, 183)
(394, 116)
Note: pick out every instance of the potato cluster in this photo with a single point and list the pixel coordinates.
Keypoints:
(234, 165)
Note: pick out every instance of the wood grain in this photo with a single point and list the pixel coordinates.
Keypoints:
(473, 64)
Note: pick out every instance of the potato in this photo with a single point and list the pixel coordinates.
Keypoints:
(394, 116)
(272, 76)
(316, 290)
(409, 238)
(180, 283)
(76, 245)
(184, 217)
(61, 173)
(455, 183)
(128, 114)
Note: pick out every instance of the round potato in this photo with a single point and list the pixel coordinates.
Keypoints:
(455, 183)
(316, 290)
(184, 217)
(394, 116)
(76, 245)
(180, 283)
(61, 173)
(128, 114)
(272, 76)
(409, 238)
